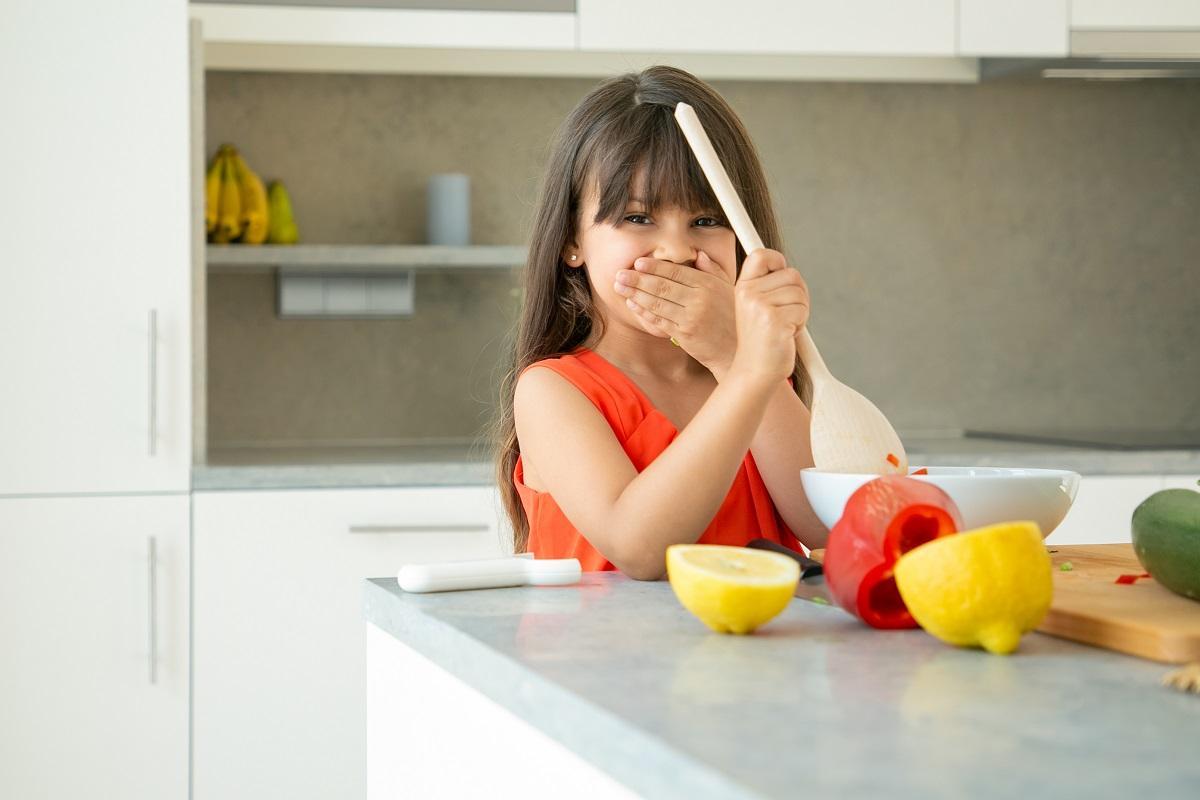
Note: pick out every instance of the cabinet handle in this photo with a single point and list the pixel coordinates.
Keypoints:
(153, 380)
(419, 528)
(152, 561)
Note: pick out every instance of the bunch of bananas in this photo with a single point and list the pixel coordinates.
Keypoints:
(238, 208)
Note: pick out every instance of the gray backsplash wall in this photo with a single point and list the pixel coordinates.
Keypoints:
(1008, 254)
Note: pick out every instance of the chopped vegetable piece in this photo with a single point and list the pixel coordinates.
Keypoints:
(921, 471)
(1127, 580)
(821, 601)
(891, 459)
(1066, 566)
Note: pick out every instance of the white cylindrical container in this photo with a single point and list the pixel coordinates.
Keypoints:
(449, 209)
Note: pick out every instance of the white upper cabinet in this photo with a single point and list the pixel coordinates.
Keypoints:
(385, 27)
(1139, 15)
(94, 279)
(1033, 28)
(810, 27)
(1143, 29)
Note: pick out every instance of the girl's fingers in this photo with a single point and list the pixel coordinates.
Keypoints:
(707, 265)
(788, 295)
(628, 282)
(667, 270)
(644, 301)
(796, 316)
(665, 326)
(761, 262)
(776, 280)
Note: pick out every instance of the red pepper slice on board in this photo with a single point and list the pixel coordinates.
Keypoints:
(921, 471)
(891, 459)
(1129, 580)
(885, 518)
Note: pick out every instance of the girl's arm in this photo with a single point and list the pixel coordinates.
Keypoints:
(631, 517)
(781, 448)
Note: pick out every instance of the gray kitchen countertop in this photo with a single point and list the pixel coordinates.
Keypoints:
(813, 705)
(467, 465)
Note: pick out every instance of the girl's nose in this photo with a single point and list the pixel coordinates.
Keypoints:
(679, 252)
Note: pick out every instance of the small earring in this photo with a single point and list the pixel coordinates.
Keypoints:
(574, 257)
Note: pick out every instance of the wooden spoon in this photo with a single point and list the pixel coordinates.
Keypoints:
(848, 433)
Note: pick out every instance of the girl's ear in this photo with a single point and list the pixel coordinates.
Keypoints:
(571, 257)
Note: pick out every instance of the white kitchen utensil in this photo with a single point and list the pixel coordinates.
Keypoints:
(490, 573)
(848, 433)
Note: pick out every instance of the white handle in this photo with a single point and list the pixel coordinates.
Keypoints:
(421, 527)
(153, 380)
(492, 573)
(718, 178)
(152, 567)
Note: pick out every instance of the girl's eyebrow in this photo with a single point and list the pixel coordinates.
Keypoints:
(715, 212)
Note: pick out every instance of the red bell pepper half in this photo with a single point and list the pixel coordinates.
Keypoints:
(885, 518)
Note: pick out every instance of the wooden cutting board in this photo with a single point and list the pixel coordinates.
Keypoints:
(1142, 619)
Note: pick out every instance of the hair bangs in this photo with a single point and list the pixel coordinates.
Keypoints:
(647, 160)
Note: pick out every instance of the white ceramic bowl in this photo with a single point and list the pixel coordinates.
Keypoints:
(984, 495)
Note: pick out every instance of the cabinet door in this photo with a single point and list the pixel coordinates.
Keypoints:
(1013, 28)
(279, 697)
(93, 619)
(500, 26)
(1103, 509)
(814, 27)
(1143, 15)
(94, 312)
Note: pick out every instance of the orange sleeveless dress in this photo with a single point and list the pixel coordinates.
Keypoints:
(644, 432)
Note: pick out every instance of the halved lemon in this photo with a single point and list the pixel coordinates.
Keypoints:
(981, 588)
(731, 589)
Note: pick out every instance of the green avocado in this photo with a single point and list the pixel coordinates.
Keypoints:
(1166, 538)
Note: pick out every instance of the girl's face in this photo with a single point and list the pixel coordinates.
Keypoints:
(667, 234)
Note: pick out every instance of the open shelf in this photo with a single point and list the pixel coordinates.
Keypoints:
(359, 259)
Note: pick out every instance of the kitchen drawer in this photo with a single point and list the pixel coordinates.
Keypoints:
(279, 694)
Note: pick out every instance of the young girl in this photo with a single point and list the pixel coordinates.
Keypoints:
(655, 396)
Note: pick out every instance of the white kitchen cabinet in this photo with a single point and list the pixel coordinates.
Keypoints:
(279, 673)
(1012, 28)
(1148, 29)
(811, 27)
(234, 24)
(1103, 509)
(416, 707)
(94, 625)
(1140, 15)
(96, 239)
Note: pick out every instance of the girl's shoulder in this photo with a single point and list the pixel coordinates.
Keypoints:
(605, 386)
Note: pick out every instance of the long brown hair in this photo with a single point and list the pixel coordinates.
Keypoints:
(622, 125)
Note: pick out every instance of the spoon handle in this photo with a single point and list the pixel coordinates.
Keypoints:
(731, 204)
(718, 178)
(811, 357)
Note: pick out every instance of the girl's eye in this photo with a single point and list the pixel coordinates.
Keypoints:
(634, 217)
(713, 222)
